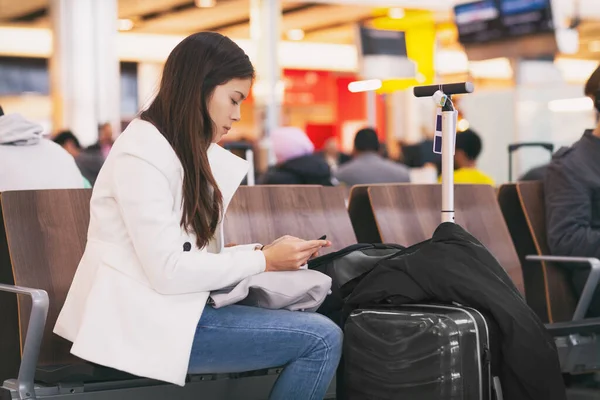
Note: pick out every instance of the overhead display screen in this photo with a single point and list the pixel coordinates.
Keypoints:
(526, 17)
(494, 20)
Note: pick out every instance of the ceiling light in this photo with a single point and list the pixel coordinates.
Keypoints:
(295, 34)
(594, 46)
(364, 86)
(580, 104)
(396, 13)
(575, 70)
(495, 68)
(462, 125)
(205, 3)
(125, 24)
(449, 62)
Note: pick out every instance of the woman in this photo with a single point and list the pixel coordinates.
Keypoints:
(296, 163)
(155, 245)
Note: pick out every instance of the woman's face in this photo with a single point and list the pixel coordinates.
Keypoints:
(224, 105)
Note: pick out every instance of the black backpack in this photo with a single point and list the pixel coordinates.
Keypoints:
(346, 267)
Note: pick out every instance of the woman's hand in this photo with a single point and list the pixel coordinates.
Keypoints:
(279, 240)
(289, 253)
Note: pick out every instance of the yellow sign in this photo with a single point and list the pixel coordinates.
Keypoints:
(420, 31)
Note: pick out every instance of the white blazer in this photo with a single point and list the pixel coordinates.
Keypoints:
(137, 296)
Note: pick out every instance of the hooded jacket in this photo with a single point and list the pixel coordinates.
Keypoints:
(304, 170)
(30, 162)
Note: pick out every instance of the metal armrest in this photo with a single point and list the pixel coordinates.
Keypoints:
(590, 284)
(588, 326)
(33, 339)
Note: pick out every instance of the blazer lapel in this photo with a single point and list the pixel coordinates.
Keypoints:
(228, 169)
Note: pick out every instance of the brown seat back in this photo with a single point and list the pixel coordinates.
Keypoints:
(45, 237)
(560, 297)
(361, 215)
(46, 234)
(407, 214)
(533, 275)
(261, 214)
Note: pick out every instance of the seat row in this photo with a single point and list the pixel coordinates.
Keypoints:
(43, 235)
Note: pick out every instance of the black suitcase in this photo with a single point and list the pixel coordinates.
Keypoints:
(425, 352)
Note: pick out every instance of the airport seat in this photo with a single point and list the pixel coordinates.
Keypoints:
(261, 214)
(534, 273)
(552, 294)
(524, 211)
(562, 299)
(41, 243)
(408, 214)
(44, 238)
(361, 215)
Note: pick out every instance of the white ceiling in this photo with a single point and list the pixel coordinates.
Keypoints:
(321, 21)
(330, 21)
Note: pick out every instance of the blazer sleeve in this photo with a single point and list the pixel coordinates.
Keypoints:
(145, 200)
(241, 247)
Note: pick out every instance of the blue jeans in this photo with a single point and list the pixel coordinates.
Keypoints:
(239, 338)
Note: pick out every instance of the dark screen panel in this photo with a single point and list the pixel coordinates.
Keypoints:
(486, 21)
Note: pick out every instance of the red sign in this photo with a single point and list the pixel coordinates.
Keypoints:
(308, 87)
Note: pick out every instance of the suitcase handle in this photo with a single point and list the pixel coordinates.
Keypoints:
(516, 146)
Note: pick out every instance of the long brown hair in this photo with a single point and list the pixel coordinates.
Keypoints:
(179, 111)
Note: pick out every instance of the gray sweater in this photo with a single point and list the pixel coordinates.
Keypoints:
(572, 190)
(371, 168)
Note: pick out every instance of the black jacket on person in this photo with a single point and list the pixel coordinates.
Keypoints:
(306, 170)
(453, 266)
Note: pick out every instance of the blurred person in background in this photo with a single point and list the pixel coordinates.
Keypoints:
(467, 151)
(89, 162)
(296, 162)
(105, 140)
(572, 197)
(30, 162)
(419, 155)
(332, 155)
(368, 166)
(534, 174)
(417, 152)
